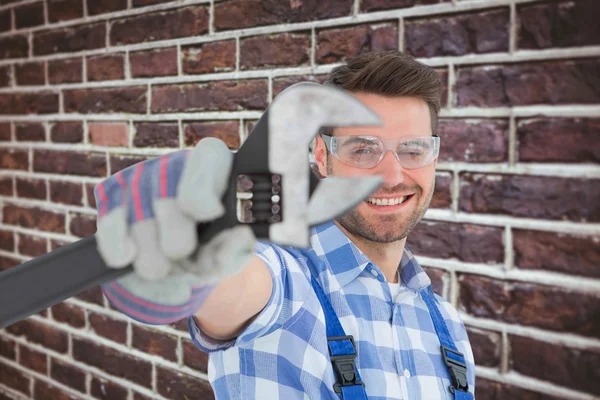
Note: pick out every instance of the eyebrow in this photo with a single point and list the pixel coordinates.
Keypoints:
(361, 139)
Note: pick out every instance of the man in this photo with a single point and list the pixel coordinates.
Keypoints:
(265, 312)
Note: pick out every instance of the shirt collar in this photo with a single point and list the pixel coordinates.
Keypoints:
(346, 262)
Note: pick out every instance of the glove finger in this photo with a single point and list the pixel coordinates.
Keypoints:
(205, 179)
(115, 245)
(224, 255)
(176, 230)
(173, 290)
(150, 262)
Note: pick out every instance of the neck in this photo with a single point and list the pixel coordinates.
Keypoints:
(386, 256)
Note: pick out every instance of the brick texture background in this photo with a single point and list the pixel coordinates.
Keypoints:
(513, 235)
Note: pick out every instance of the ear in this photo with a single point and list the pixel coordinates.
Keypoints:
(321, 156)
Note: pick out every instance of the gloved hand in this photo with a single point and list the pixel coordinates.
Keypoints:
(147, 216)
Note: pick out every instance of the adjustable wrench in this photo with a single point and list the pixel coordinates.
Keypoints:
(287, 199)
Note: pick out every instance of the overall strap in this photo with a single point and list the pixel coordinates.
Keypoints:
(453, 359)
(342, 351)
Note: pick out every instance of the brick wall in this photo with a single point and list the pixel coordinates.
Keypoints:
(512, 239)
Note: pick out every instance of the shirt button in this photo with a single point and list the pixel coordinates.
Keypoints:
(407, 373)
(374, 273)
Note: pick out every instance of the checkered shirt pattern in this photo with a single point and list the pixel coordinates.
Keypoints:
(283, 353)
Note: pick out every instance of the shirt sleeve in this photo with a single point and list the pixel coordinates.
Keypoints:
(291, 286)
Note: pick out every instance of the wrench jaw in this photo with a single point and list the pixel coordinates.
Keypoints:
(294, 119)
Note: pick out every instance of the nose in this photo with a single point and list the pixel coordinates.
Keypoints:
(391, 170)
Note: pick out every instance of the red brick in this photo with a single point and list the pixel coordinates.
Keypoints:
(31, 188)
(131, 99)
(68, 375)
(117, 163)
(486, 347)
(33, 359)
(28, 103)
(8, 348)
(442, 195)
(44, 391)
(32, 246)
(69, 314)
(545, 82)
(7, 241)
(5, 132)
(105, 67)
(149, 63)
(209, 57)
(5, 76)
(573, 140)
(30, 74)
(137, 396)
(65, 71)
(238, 14)
(15, 46)
(8, 262)
(490, 390)
(546, 307)
(227, 131)
(109, 134)
(279, 84)
(82, 225)
(44, 335)
(156, 135)
(280, 50)
(480, 141)
(469, 243)
(91, 198)
(64, 10)
(34, 217)
(563, 366)
(142, 3)
(181, 325)
(14, 159)
(76, 38)
(93, 295)
(29, 15)
(112, 361)
(171, 24)
(531, 196)
(378, 5)
(107, 390)
(66, 193)
(176, 385)
(14, 379)
(193, 357)
(55, 244)
(154, 342)
(484, 32)
(443, 74)
(5, 21)
(336, 45)
(558, 24)
(30, 132)
(115, 330)
(211, 96)
(69, 162)
(105, 6)
(6, 186)
(66, 132)
(550, 251)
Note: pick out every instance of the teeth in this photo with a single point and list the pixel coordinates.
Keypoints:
(387, 202)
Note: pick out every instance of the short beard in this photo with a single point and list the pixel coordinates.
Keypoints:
(357, 225)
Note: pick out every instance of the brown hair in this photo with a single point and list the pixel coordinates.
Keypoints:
(389, 73)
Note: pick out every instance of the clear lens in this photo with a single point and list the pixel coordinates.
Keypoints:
(367, 151)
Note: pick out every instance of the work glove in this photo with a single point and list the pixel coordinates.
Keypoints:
(147, 216)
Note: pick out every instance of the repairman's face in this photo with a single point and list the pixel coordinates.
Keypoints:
(402, 117)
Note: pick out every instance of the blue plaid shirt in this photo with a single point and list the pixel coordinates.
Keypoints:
(283, 353)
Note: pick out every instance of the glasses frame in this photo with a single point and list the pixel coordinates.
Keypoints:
(389, 145)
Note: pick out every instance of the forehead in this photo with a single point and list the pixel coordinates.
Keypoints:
(401, 116)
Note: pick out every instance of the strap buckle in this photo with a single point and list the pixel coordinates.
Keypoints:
(344, 366)
(456, 369)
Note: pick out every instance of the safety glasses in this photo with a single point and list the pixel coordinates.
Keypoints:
(368, 151)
